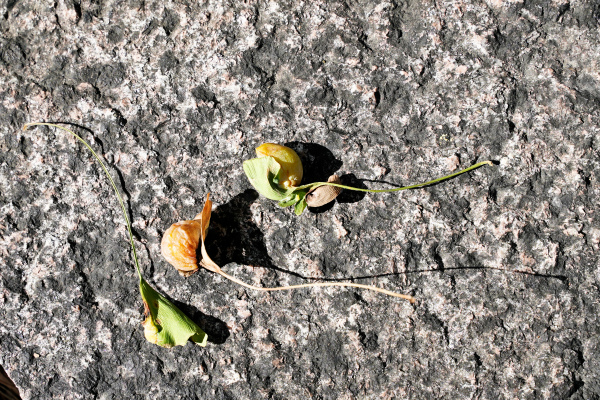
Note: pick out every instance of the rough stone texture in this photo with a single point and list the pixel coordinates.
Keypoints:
(175, 95)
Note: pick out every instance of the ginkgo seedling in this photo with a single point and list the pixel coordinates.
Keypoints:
(179, 247)
(270, 176)
(165, 324)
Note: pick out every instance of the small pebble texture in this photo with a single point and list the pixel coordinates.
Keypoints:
(175, 95)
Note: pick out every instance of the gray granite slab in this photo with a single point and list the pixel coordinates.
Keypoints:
(176, 95)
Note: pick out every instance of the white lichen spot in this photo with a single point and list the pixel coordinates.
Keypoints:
(339, 229)
(231, 376)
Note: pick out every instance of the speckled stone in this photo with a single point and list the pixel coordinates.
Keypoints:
(175, 95)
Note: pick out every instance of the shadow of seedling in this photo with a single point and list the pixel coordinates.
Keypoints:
(233, 237)
(350, 196)
(318, 161)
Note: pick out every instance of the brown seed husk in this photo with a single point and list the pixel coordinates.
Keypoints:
(180, 243)
(324, 194)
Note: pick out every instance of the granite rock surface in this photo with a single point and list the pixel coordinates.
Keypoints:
(175, 95)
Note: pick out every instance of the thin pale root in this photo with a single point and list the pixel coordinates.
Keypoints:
(322, 284)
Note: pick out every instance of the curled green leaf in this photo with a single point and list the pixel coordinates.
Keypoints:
(165, 324)
(263, 173)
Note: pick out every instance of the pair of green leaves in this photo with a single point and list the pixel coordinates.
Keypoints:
(264, 175)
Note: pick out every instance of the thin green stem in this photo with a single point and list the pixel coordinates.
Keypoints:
(317, 184)
(112, 182)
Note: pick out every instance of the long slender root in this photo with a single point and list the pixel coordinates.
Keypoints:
(321, 284)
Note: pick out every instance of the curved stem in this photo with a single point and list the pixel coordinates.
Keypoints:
(317, 184)
(323, 284)
(112, 182)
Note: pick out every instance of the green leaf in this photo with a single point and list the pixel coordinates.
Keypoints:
(263, 174)
(300, 206)
(289, 201)
(165, 324)
(293, 199)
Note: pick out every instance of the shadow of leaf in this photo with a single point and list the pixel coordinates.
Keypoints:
(216, 329)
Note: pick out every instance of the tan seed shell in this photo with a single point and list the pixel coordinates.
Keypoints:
(324, 194)
(179, 244)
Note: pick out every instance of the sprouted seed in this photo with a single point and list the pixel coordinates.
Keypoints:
(270, 176)
(165, 324)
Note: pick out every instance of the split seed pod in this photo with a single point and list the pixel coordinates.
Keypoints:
(180, 243)
(291, 166)
(322, 195)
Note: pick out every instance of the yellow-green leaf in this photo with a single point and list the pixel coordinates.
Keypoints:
(165, 324)
(263, 173)
(300, 206)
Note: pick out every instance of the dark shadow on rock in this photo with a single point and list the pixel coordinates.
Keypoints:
(561, 278)
(322, 209)
(233, 237)
(318, 161)
(216, 329)
(351, 196)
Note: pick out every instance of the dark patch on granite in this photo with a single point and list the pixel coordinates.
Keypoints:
(168, 62)
(104, 76)
(14, 53)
